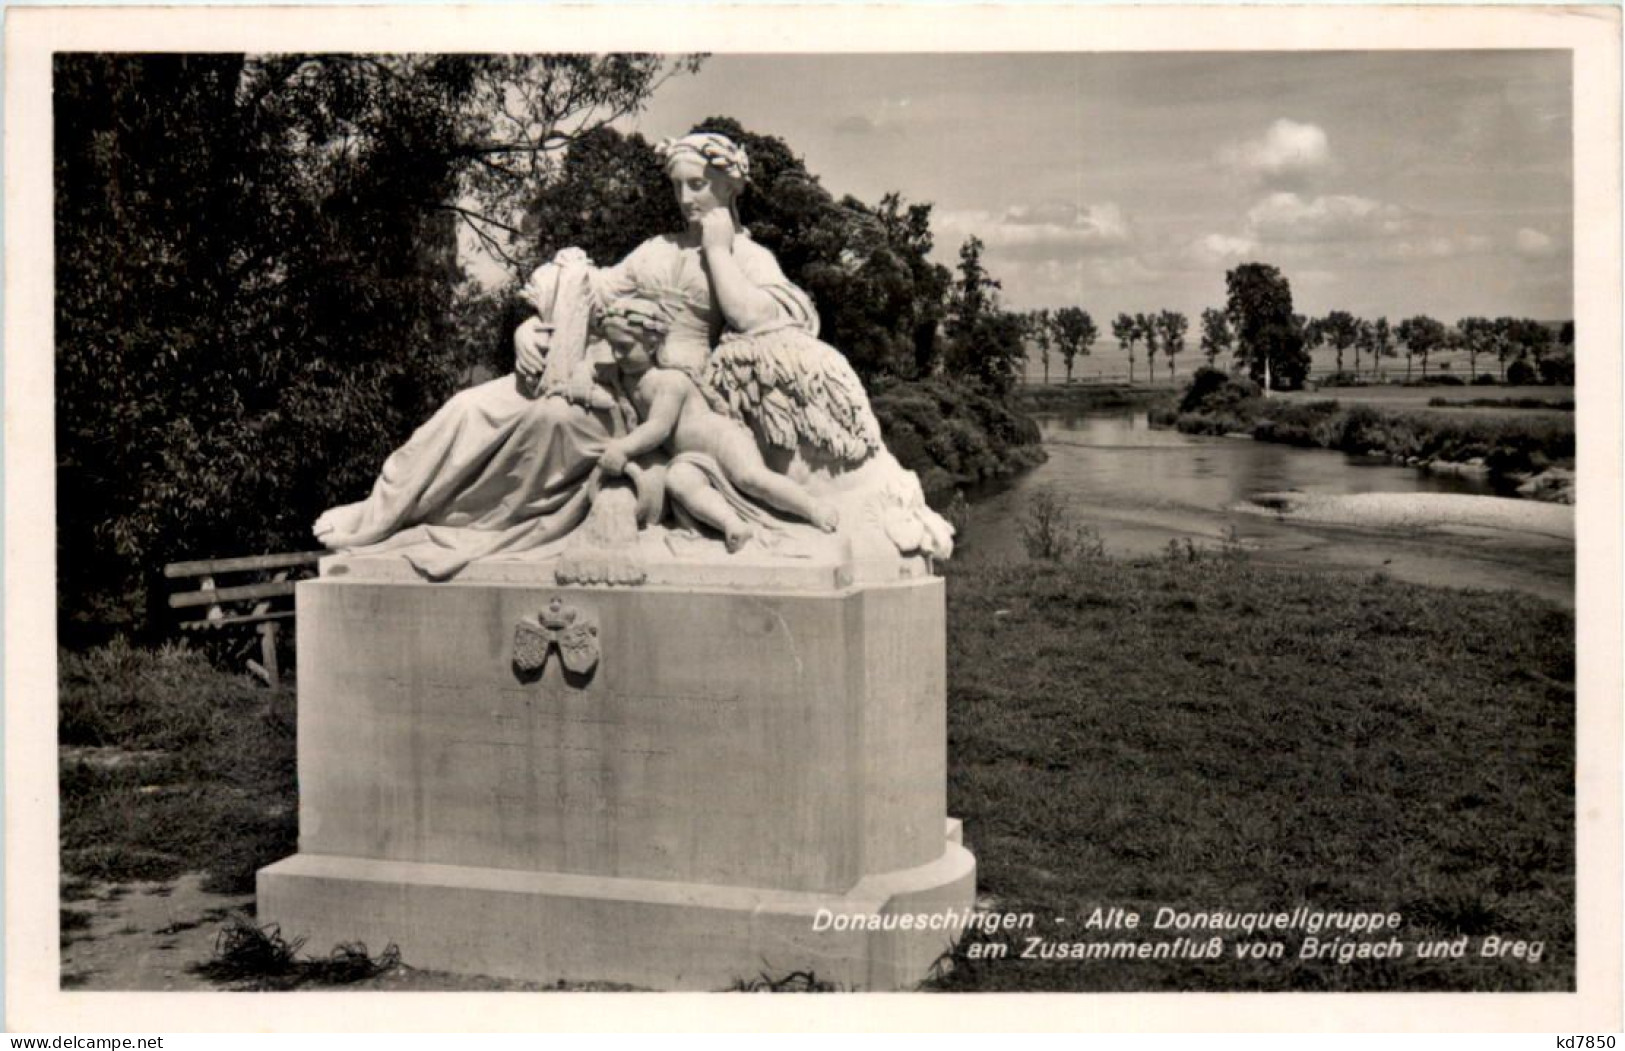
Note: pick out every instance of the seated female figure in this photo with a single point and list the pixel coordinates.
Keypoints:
(496, 471)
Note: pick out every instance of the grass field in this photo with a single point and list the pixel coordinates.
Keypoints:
(170, 766)
(1395, 397)
(1192, 733)
(1205, 735)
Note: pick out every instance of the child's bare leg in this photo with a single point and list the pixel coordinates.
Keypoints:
(742, 462)
(688, 485)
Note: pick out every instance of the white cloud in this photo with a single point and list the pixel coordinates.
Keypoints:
(1287, 150)
(1335, 217)
(1046, 231)
(1423, 248)
(1077, 281)
(1426, 248)
(1534, 244)
(1220, 249)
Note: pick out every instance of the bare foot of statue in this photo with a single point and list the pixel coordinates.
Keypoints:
(825, 517)
(737, 536)
(335, 522)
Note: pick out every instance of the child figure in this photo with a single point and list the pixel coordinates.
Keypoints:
(676, 414)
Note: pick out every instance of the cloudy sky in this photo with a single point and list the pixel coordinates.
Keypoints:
(1383, 183)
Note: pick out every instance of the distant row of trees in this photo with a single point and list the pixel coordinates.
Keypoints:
(1259, 329)
(1071, 331)
(1526, 350)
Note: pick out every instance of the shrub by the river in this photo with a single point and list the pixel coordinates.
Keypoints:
(952, 434)
(1215, 404)
(1050, 531)
(1216, 392)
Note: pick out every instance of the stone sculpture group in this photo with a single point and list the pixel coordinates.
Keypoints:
(775, 440)
(632, 664)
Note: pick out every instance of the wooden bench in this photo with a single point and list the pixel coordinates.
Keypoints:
(225, 605)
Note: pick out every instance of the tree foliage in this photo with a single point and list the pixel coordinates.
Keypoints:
(1422, 336)
(256, 264)
(1341, 330)
(984, 340)
(1146, 326)
(1216, 337)
(1382, 340)
(1075, 333)
(1365, 342)
(1041, 330)
(1172, 325)
(1127, 333)
(1478, 337)
(1259, 306)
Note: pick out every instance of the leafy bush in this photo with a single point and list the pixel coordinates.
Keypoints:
(1522, 374)
(1507, 445)
(1485, 379)
(1558, 369)
(1295, 423)
(1562, 404)
(1213, 391)
(1216, 424)
(258, 291)
(952, 434)
(1050, 533)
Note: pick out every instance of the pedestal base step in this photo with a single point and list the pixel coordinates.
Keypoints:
(884, 934)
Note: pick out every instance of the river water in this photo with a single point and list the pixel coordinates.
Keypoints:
(1141, 487)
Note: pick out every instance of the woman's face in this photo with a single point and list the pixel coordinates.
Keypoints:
(699, 187)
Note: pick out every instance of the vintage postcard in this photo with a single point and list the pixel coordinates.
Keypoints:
(584, 506)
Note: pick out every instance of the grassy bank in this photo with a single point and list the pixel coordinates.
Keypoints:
(1507, 443)
(170, 766)
(953, 435)
(1079, 397)
(1197, 733)
(1211, 735)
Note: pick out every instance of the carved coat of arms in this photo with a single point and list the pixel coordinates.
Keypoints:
(574, 631)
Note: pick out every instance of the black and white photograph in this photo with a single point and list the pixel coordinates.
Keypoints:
(1091, 501)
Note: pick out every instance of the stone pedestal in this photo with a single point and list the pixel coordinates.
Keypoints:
(734, 769)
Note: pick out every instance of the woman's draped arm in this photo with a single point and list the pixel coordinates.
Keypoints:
(791, 303)
(610, 283)
(752, 274)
